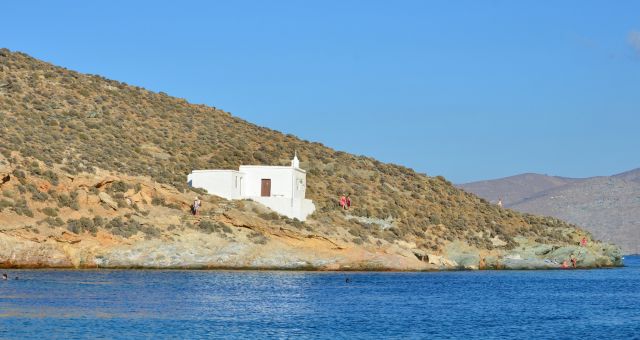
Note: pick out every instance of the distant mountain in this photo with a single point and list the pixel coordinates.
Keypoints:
(607, 206)
(516, 188)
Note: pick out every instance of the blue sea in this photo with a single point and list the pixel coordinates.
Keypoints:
(112, 304)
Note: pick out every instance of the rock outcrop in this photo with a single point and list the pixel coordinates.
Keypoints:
(106, 199)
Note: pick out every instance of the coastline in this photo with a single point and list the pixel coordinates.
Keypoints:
(194, 250)
(285, 269)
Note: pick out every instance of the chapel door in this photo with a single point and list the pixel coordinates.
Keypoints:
(265, 188)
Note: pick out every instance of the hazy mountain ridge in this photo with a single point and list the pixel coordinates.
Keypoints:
(607, 206)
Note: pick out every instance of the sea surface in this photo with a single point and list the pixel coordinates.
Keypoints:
(559, 304)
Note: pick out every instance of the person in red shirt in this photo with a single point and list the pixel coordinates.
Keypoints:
(343, 202)
(348, 202)
(583, 242)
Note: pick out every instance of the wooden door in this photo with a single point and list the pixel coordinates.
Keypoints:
(265, 190)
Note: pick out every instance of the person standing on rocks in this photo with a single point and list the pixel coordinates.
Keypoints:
(348, 201)
(196, 206)
(343, 202)
(574, 261)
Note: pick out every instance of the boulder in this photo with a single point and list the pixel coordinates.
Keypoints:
(106, 199)
(83, 197)
(467, 261)
(528, 263)
(497, 242)
(543, 249)
(104, 182)
(440, 261)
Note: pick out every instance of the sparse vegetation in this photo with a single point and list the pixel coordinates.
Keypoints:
(49, 211)
(76, 122)
(209, 226)
(257, 237)
(21, 208)
(54, 221)
(5, 204)
(120, 227)
(65, 200)
(83, 224)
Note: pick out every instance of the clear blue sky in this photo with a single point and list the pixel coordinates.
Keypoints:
(466, 89)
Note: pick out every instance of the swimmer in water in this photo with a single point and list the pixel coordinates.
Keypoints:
(5, 276)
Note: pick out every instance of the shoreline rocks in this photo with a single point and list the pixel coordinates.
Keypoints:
(208, 251)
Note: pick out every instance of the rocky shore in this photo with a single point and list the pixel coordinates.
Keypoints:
(281, 250)
(105, 221)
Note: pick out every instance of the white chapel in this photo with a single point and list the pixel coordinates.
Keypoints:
(280, 188)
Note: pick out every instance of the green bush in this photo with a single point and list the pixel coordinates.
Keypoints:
(34, 168)
(156, 200)
(81, 225)
(19, 174)
(51, 177)
(208, 227)
(98, 221)
(31, 188)
(52, 212)
(39, 196)
(54, 222)
(119, 186)
(295, 222)
(21, 208)
(126, 229)
(5, 204)
(269, 216)
(70, 201)
(150, 232)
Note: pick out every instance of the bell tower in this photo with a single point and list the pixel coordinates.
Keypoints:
(295, 162)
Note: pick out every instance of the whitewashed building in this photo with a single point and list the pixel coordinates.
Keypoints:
(280, 188)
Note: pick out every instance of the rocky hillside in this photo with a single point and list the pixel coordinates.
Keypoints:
(608, 206)
(94, 174)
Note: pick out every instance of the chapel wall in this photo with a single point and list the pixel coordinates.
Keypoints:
(281, 180)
